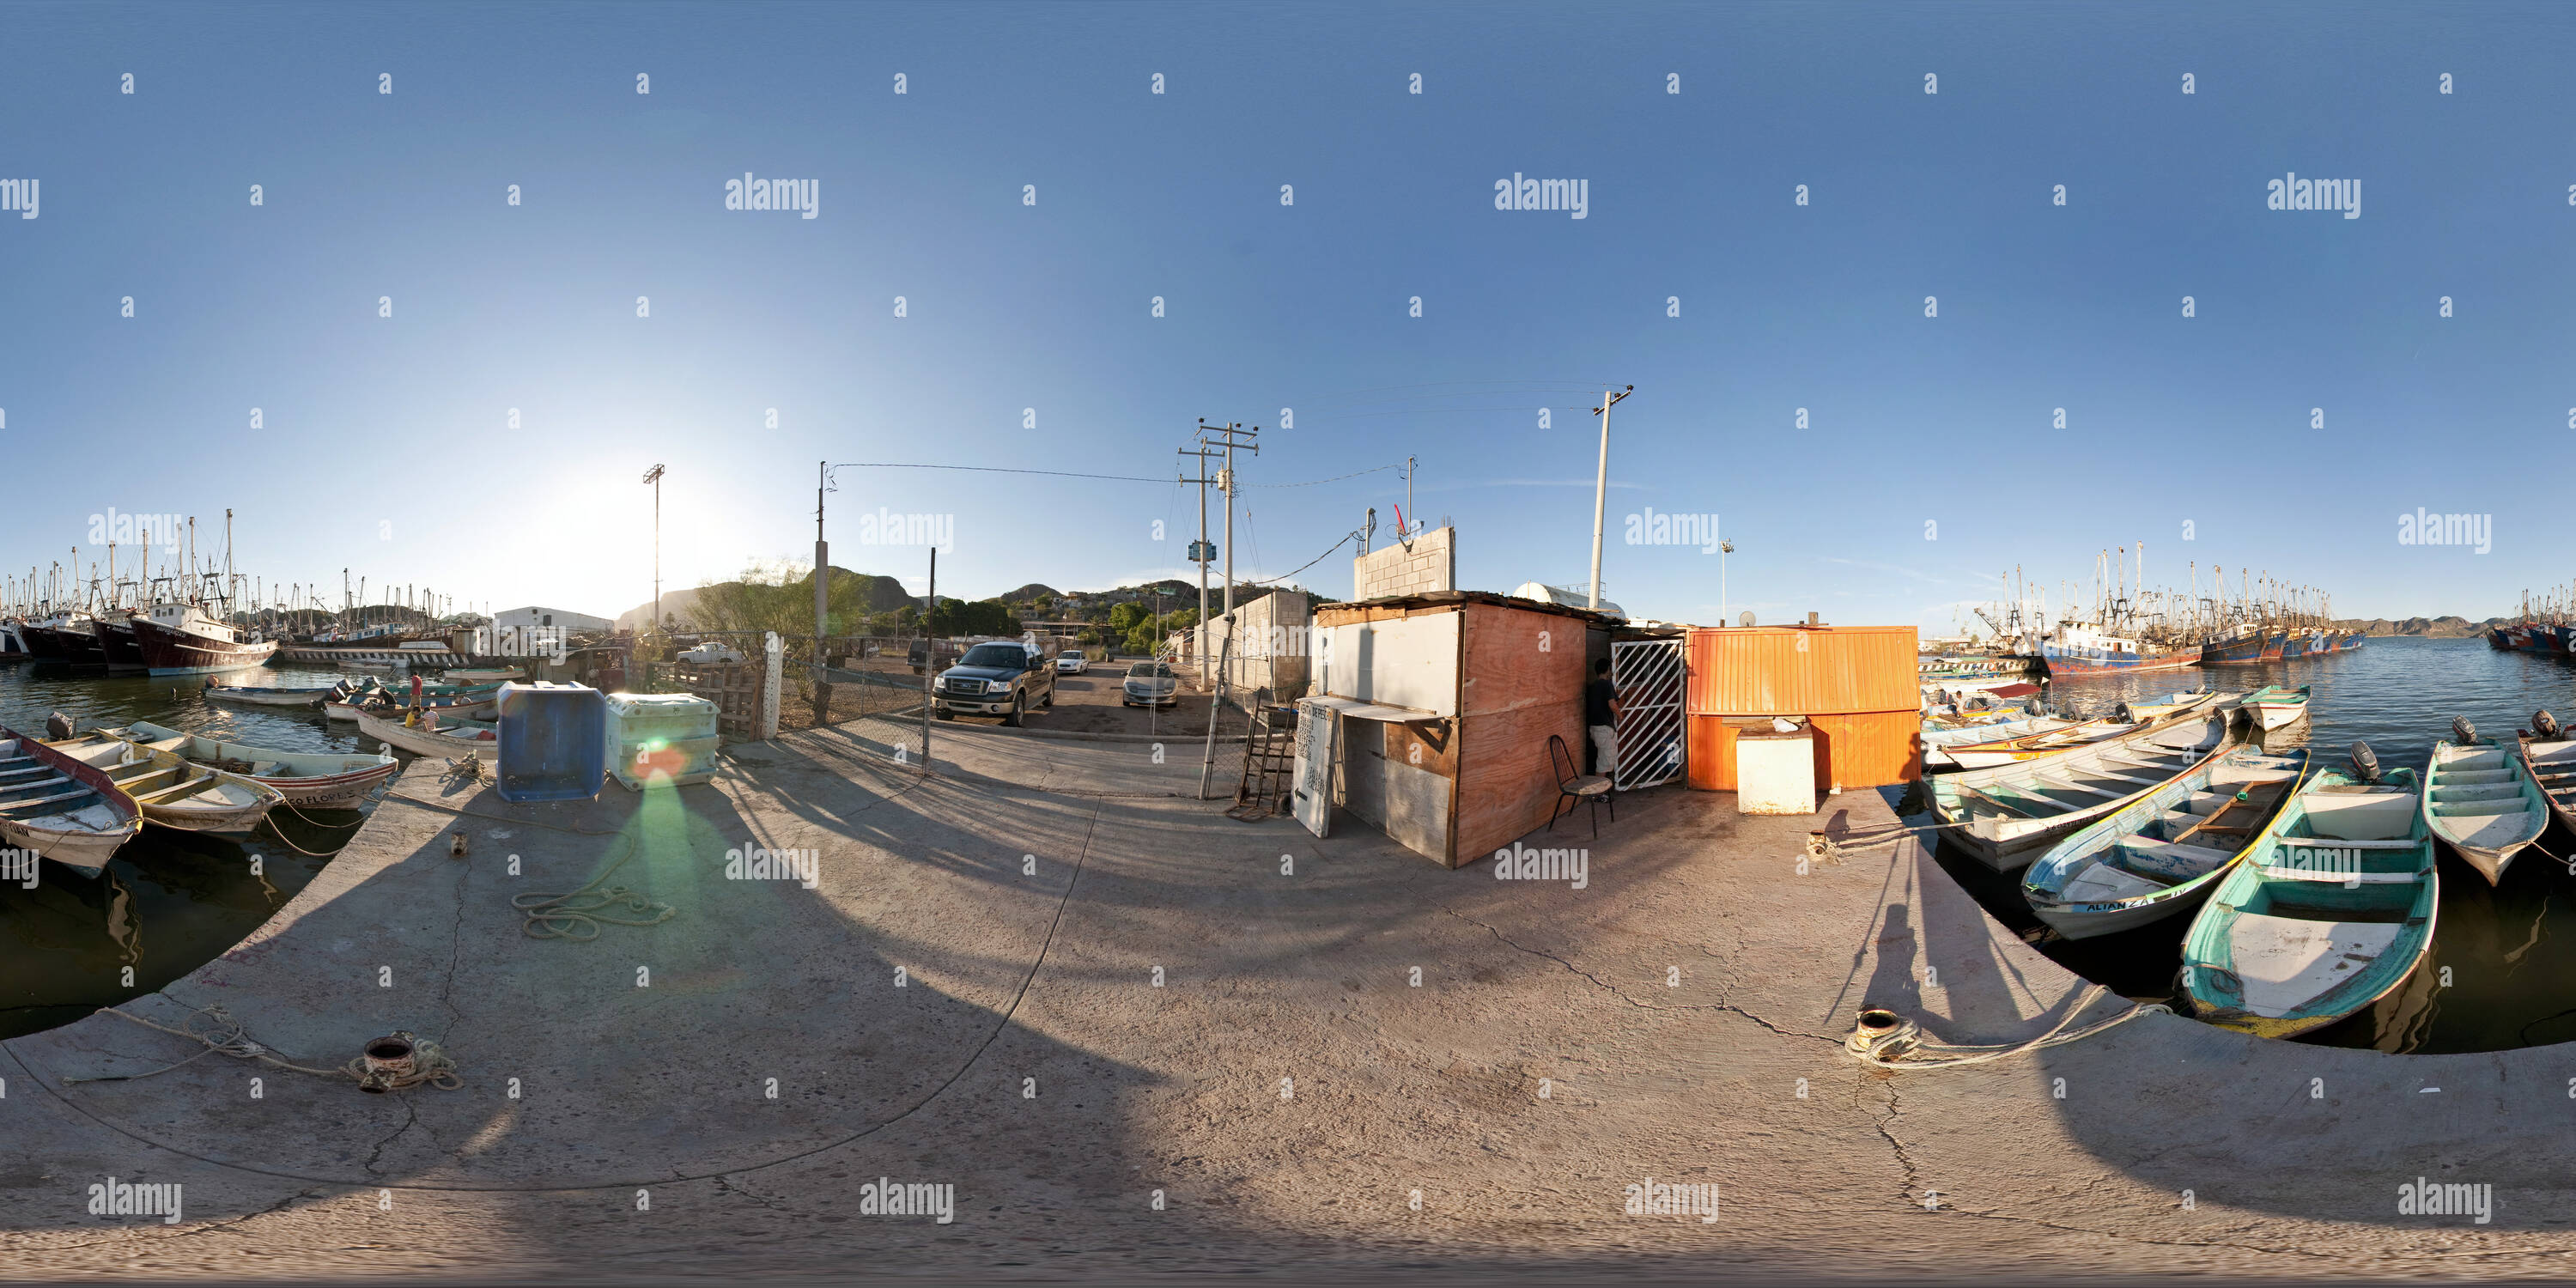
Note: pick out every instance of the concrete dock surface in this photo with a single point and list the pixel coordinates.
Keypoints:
(1132, 1035)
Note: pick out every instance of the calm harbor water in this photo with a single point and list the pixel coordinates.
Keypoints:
(170, 901)
(2510, 949)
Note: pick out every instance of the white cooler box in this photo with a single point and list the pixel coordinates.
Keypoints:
(651, 735)
(1775, 773)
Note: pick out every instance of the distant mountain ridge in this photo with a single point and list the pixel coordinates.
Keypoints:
(881, 594)
(2440, 628)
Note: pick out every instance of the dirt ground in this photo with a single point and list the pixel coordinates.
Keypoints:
(1086, 703)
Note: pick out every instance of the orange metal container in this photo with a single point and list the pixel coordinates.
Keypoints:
(1855, 685)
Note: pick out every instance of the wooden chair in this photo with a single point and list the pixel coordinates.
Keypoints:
(1571, 786)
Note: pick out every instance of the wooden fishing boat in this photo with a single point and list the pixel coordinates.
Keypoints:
(1938, 741)
(2007, 815)
(2165, 852)
(274, 697)
(60, 807)
(2030, 746)
(307, 779)
(2169, 705)
(493, 674)
(2329, 913)
(2275, 707)
(2549, 756)
(2479, 799)
(172, 792)
(396, 701)
(453, 740)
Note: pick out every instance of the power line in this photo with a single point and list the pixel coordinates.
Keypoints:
(1346, 540)
(989, 469)
(1066, 474)
(1374, 469)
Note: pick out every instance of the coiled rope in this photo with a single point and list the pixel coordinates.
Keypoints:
(568, 915)
(429, 1064)
(1887, 1040)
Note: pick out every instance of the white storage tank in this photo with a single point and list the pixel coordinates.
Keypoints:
(653, 736)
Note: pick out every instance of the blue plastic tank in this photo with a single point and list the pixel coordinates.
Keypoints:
(554, 742)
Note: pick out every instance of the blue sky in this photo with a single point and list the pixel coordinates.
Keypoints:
(386, 447)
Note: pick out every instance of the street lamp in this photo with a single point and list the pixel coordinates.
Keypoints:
(1724, 548)
(654, 477)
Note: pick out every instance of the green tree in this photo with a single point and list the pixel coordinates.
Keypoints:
(1124, 618)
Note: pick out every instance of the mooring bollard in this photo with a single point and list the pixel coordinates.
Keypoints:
(387, 1060)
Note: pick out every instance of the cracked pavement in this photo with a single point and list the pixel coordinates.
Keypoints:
(1132, 1045)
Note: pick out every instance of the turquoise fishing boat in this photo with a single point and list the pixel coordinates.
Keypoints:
(2332, 908)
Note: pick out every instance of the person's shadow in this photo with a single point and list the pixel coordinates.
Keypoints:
(1891, 983)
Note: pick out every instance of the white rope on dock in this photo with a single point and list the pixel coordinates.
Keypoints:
(1901, 1044)
(429, 1064)
(565, 916)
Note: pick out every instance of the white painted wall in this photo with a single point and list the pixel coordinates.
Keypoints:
(1405, 662)
(564, 620)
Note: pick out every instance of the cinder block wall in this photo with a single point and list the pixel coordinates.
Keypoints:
(1267, 664)
(1430, 565)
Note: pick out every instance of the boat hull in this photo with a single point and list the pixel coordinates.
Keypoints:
(123, 651)
(2262, 927)
(86, 849)
(2045, 887)
(2007, 843)
(308, 780)
(170, 652)
(2062, 662)
(2481, 801)
(419, 742)
(267, 697)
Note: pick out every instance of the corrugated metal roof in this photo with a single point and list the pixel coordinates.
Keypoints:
(1801, 670)
(1455, 598)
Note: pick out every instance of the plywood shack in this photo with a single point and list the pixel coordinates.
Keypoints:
(1447, 701)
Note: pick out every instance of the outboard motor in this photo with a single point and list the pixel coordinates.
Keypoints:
(2365, 764)
(2468, 732)
(2544, 724)
(59, 726)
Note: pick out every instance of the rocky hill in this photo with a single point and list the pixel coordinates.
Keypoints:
(881, 593)
(2440, 628)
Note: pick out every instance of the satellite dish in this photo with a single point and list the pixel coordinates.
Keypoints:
(1746, 617)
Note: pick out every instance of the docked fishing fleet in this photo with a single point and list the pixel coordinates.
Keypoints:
(2302, 892)
(2123, 627)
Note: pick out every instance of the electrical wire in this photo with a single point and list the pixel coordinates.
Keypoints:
(1067, 474)
(1346, 540)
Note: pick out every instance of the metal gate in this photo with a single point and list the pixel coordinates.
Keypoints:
(1648, 677)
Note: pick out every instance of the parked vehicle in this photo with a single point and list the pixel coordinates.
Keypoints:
(1071, 664)
(1000, 678)
(1150, 684)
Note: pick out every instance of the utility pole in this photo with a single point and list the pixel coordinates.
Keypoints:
(1408, 503)
(929, 656)
(1228, 482)
(1198, 550)
(822, 591)
(1600, 486)
(654, 477)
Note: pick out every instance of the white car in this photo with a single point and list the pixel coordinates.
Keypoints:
(1150, 684)
(1071, 664)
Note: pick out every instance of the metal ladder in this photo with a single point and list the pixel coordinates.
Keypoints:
(1269, 765)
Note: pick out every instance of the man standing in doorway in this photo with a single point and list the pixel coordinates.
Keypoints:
(1601, 712)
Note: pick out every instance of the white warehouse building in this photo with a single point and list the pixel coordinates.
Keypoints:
(533, 617)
